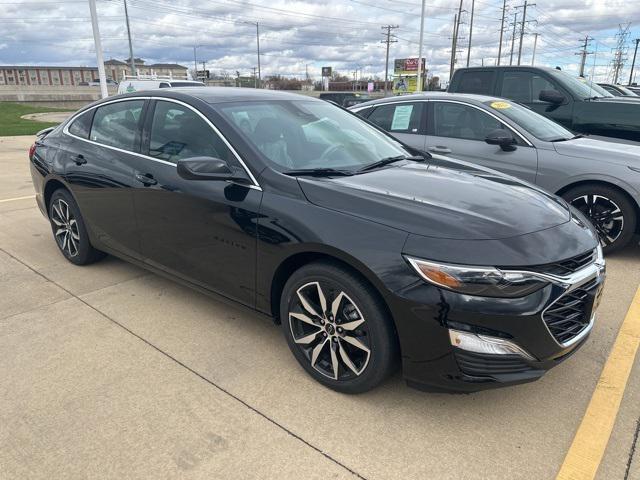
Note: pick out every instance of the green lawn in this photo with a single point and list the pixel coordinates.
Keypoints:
(12, 124)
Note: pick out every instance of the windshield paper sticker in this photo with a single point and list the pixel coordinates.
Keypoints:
(500, 105)
(401, 117)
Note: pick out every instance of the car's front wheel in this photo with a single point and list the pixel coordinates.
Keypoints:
(610, 211)
(337, 328)
(69, 230)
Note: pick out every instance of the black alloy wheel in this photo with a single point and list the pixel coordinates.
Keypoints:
(337, 328)
(69, 229)
(610, 212)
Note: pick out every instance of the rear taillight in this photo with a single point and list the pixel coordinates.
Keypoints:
(32, 150)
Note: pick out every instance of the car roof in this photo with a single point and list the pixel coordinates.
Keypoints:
(509, 67)
(233, 94)
(465, 97)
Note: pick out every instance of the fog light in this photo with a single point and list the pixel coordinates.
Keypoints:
(473, 342)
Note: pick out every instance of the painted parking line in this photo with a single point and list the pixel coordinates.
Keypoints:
(586, 451)
(16, 199)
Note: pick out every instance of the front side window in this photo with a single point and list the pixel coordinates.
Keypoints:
(178, 132)
(524, 87)
(398, 118)
(537, 125)
(117, 124)
(81, 126)
(302, 134)
(455, 120)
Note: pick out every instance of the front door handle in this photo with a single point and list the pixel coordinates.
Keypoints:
(439, 149)
(80, 160)
(146, 179)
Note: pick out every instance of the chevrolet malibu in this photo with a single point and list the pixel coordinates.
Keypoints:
(367, 254)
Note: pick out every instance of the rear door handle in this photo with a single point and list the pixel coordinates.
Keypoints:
(80, 160)
(439, 149)
(146, 179)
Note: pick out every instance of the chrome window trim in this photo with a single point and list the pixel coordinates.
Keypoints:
(516, 132)
(65, 131)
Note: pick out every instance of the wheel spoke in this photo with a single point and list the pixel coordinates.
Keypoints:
(352, 325)
(303, 318)
(306, 305)
(322, 298)
(334, 360)
(65, 239)
(356, 343)
(72, 243)
(347, 361)
(335, 305)
(316, 352)
(60, 231)
(56, 210)
(65, 209)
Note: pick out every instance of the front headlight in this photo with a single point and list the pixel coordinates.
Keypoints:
(480, 281)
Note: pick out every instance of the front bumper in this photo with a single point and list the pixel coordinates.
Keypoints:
(425, 315)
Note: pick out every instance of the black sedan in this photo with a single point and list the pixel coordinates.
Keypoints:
(366, 253)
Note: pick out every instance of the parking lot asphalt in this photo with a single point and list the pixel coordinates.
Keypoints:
(108, 371)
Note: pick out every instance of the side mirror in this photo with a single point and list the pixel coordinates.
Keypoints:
(208, 168)
(551, 96)
(502, 138)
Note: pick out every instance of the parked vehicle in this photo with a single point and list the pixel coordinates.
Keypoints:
(309, 214)
(634, 88)
(556, 95)
(618, 90)
(602, 179)
(149, 82)
(345, 99)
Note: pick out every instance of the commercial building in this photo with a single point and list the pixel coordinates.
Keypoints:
(117, 69)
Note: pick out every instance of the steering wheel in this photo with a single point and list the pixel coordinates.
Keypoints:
(329, 150)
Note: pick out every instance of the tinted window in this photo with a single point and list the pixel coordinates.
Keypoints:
(399, 118)
(81, 126)
(296, 134)
(117, 124)
(524, 87)
(530, 121)
(461, 121)
(476, 82)
(179, 132)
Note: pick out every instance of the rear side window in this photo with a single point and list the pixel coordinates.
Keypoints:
(398, 118)
(81, 126)
(178, 132)
(480, 82)
(117, 124)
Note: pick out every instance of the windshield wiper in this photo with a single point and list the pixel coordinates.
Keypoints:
(564, 139)
(388, 160)
(318, 172)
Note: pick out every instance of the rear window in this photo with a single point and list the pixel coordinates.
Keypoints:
(399, 117)
(480, 82)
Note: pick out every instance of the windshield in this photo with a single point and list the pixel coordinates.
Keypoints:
(308, 134)
(597, 89)
(530, 121)
(578, 85)
(187, 84)
(626, 91)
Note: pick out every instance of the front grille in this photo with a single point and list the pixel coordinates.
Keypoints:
(478, 365)
(565, 267)
(570, 314)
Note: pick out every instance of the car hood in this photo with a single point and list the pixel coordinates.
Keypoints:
(601, 150)
(441, 198)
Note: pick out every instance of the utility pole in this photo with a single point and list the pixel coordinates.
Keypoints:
(513, 36)
(473, 3)
(126, 16)
(419, 78)
(504, 11)
(258, 48)
(255, 79)
(583, 54)
(620, 55)
(453, 46)
(388, 40)
(535, 46)
(455, 42)
(633, 63)
(98, 44)
(524, 20)
(195, 62)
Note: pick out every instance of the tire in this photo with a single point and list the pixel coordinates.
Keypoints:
(69, 231)
(365, 350)
(597, 202)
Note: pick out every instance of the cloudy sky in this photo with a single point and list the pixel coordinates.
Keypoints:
(296, 35)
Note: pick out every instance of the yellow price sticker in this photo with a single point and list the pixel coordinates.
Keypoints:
(500, 105)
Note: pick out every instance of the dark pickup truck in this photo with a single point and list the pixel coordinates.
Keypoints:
(562, 97)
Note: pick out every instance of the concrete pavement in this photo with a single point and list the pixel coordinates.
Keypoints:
(108, 371)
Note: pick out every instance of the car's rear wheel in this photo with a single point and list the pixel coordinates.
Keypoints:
(610, 211)
(338, 328)
(69, 230)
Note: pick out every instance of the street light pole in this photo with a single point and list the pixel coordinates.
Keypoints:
(98, 44)
(419, 78)
(258, 47)
(195, 63)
